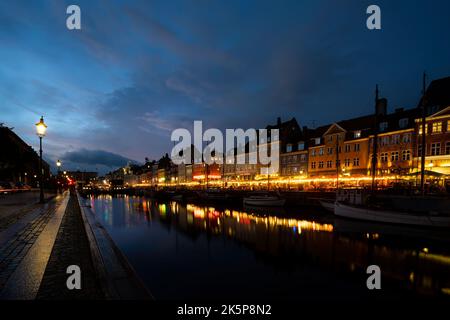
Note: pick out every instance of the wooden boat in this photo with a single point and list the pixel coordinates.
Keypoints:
(391, 216)
(265, 200)
(327, 204)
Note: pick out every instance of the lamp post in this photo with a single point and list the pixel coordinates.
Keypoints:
(41, 128)
(58, 164)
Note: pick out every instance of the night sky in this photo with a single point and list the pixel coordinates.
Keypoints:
(116, 89)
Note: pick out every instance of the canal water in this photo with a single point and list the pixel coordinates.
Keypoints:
(187, 251)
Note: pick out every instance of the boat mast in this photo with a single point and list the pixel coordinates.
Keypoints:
(223, 170)
(207, 176)
(424, 147)
(337, 162)
(375, 142)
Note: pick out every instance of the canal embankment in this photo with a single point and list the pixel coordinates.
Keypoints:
(115, 275)
(43, 241)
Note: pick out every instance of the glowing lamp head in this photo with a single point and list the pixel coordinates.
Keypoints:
(41, 128)
(58, 163)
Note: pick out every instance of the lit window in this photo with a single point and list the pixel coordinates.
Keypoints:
(437, 127)
(357, 134)
(320, 164)
(420, 129)
(313, 165)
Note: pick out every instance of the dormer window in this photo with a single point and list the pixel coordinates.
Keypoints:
(316, 141)
(383, 126)
(301, 145)
(289, 147)
(357, 134)
(403, 123)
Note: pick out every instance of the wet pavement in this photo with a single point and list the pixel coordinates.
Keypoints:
(71, 248)
(37, 241)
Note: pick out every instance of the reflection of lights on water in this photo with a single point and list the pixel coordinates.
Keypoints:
(272, 221)
(162, 209)
(199, 213)
(435, 257)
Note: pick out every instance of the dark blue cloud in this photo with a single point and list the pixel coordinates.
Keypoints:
(94, 159)
(139, 69)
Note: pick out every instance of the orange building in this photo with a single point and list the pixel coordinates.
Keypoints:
(437, 142)
(342, 147)
(396, 141)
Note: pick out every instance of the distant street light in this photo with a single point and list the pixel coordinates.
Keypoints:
(58, 164)
(41, 128)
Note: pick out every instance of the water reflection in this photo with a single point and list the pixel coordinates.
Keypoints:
(295, 254)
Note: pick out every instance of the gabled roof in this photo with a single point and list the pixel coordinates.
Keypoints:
(438, 93)
(443, 112)
(337, 128)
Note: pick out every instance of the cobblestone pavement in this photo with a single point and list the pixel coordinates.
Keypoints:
(14, 250)
(71, 248)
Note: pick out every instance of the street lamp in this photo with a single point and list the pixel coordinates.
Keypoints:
(58, 164)
(41, 128)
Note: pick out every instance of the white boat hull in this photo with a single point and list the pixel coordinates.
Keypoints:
(387, 216)
(327, 205)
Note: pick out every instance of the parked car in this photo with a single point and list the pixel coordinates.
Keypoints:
(6, 187)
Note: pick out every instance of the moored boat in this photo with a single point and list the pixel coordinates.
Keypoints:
(390, 216)
(266, 200)
(213, 195)
(327, 204)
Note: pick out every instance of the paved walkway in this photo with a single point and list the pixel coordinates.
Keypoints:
(71, 248)
(38, 242)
